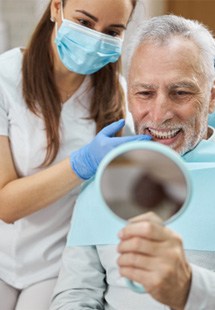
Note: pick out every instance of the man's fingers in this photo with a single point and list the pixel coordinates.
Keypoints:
(136, 261)
(149, 216)
(140, 245)
(146, 229)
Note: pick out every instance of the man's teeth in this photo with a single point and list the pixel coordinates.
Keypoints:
(163, 135)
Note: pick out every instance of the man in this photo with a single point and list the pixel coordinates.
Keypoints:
(170, 93)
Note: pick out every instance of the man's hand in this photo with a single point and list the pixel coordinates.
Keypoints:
(153, 255)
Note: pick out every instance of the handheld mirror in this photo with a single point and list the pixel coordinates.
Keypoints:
(139, 177)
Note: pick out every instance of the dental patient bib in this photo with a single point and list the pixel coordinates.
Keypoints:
(94, 224)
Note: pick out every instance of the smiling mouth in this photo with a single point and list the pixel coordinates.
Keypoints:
(161, 134)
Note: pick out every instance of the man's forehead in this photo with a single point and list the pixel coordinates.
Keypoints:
(175, 50)
(174, 42)
(171, 64)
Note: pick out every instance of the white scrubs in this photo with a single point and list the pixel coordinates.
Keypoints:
(31, 248)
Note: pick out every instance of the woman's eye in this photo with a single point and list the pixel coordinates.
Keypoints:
(113, 33)
(84, 22)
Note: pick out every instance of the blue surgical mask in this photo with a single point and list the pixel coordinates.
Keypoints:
(83, 50)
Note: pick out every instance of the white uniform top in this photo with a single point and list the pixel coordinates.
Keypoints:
(30, 248)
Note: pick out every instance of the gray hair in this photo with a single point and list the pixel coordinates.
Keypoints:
(159, 30)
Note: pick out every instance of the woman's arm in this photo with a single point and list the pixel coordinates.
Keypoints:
(81, 283)
(20, 197)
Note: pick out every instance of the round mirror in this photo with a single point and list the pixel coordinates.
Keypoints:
(143, 177)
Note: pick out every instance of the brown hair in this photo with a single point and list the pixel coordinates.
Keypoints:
(43, 98)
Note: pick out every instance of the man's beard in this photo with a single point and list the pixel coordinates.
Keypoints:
(191, 138)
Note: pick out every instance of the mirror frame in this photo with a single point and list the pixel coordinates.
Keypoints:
(145, 145)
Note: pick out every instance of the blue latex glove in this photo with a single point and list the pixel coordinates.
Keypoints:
(85, 161)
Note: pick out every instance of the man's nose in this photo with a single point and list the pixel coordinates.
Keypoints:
(161, 109)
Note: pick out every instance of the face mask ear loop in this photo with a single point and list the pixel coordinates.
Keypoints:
(56, 29)
(61, 10)
(62, 18)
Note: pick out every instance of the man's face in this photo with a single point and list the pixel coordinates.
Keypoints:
(168, 94)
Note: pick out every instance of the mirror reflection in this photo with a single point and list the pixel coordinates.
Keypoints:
(143, 180)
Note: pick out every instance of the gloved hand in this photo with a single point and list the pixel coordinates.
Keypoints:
(85, 161)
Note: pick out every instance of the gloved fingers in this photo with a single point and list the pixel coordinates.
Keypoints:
(113, 128)
(132, 138)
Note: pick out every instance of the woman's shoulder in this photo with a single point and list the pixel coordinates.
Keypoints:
(10, 54)
(10, 77)
(10, 64)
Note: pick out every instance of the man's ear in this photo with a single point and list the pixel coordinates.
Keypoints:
(212, 100)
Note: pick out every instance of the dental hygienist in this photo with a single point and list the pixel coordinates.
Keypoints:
(55, 97)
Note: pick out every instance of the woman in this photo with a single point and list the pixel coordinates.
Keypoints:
(55, 96)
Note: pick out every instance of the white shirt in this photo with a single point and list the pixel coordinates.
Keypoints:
(89, 279)
(30, 248)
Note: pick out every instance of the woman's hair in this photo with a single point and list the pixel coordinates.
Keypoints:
(43, 97)
(161, 29)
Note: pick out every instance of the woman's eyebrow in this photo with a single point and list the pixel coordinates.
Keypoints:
(96, 19)
(118, 26)
(88, 15)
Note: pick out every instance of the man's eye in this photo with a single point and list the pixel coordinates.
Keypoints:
(181, 93)
(145, 94)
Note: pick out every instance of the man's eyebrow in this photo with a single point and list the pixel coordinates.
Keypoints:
(185, 84)
(145, 86)
(96, 19)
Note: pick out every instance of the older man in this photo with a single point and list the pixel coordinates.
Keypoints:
(170, 92)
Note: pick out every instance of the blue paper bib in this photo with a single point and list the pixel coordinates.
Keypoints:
(211, 119)
(94, 224)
